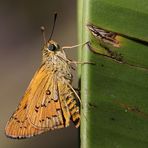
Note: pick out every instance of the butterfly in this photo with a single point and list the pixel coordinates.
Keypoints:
(50, 101)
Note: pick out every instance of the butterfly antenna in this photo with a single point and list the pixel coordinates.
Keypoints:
(54, 21)
(43, 33)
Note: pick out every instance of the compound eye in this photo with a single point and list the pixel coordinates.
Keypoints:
(52, 47)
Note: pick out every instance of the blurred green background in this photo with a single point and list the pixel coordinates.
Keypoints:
(20, 56)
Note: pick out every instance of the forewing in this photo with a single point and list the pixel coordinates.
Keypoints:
(45, 110)
(55, 105)
(19, 126)
(48, 104)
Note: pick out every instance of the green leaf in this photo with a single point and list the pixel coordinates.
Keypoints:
(114, 92)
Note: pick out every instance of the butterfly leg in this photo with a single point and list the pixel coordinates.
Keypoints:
(75, 62)
(79, 62)
(70, 47)
(77, 89)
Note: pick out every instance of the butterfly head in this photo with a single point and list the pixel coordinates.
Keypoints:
(52, 46)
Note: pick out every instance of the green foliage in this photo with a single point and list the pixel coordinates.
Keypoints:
(115, 93)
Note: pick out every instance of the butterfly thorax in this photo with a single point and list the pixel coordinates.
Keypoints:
(57, 63)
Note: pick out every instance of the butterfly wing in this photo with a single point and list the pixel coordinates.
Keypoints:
(68, 103)
(19, 126)
(55, 107)
(45, 110)
(47, 104)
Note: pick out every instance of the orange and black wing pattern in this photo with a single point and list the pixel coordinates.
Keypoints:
(48, 104)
